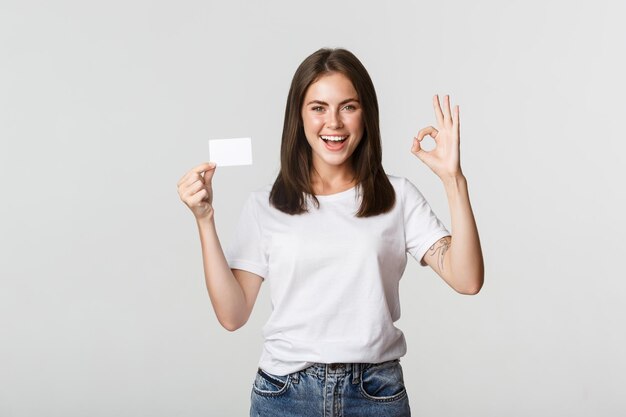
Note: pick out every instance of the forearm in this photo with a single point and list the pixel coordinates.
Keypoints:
(227, 296)
(465, 254)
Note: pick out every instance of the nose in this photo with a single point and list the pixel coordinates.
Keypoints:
(334, 121)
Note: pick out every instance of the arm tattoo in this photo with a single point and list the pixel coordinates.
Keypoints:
(439, 249)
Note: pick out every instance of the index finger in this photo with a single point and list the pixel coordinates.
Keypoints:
(438, 112)
(205, 166)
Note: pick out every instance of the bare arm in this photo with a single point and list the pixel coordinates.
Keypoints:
(457, 259)
(232, 292)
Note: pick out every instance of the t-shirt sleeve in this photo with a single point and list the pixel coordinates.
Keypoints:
(246, 251)
(422, 227)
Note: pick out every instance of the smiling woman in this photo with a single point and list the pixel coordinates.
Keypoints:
(331, 96)
(331, 235)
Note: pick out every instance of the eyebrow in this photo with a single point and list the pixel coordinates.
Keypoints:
(326, 104)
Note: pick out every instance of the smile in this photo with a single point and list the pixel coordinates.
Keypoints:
(333, 138)
(334, 143)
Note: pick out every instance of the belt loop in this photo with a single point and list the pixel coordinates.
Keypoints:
(356, 373)
(295, 377)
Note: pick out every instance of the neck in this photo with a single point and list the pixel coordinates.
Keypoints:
(332, 179)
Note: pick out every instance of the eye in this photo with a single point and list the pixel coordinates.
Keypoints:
(350, 107)
(317, 108)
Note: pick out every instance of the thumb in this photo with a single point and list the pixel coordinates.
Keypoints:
(208, 174)
(416, 149)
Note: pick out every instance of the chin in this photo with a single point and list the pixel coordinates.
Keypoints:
(334, 161)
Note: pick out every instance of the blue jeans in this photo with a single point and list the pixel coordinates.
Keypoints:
(332, 390)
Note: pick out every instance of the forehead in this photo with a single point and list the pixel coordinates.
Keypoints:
(331, 86)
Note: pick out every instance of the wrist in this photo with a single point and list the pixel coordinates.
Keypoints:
(206, 220)
(454, 181)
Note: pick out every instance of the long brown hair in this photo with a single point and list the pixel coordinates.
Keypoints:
(293, 183)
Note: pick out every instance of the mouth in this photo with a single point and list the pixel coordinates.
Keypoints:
(334, 142)
(334, 138)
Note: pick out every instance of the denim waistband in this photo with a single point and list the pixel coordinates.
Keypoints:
(330, 370)
(336, 370)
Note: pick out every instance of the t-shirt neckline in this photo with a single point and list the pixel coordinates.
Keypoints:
(335, 196)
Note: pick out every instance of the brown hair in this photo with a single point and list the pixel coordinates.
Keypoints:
(293, 183)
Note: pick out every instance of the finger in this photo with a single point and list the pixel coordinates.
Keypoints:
(416, 147)
(193, 188)
(438, 112)
(447, 114)
(208, 174)
(198, 197)
(203, 167)
(455, 118)
(430, 131)
(185, 177)
(185, 193)
(189, 194)
(194, 176)
(191, 179)
(182, 193)
(197, 169)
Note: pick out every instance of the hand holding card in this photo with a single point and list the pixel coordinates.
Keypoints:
(230, 152)
(195, 190)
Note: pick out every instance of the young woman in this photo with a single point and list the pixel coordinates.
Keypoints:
(331, 237)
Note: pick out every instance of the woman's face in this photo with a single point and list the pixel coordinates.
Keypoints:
(333, 125)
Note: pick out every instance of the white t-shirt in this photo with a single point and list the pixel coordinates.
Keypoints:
(333, 276)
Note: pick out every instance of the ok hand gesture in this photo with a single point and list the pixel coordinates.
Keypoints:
(444, 159)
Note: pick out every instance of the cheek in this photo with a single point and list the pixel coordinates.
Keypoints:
(312, 124)
(355, 121)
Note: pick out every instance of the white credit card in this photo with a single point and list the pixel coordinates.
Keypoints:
(229, 152)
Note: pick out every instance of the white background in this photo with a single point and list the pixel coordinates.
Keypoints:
(105, 105)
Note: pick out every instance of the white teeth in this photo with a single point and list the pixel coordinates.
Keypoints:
(334, 138)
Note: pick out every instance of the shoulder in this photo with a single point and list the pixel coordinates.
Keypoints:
(396, 181)
(260, 197)
(406, 191)
(402, 185)
(262, 191)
